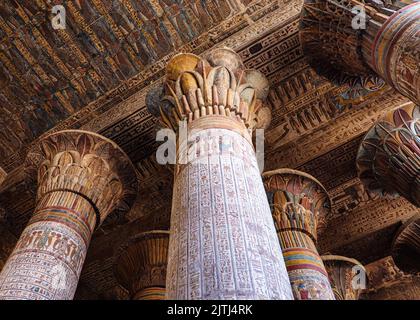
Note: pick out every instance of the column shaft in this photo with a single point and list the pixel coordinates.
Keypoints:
(394, 52)
(223, 243)
(48, 258)
(152, 293)
(306, 270)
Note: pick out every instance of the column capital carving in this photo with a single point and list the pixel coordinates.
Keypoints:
(331, 45)
(298, 201)
(86, 164)
(358, 41)
(216, 85)
(341, 273)
(141, 262)
(299, 206)
(406, 246)
(388, 160)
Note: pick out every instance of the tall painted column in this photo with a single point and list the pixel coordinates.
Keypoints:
(388, 160)
(349, 40)
(81, 178)
(299, 205)
(141, 265)
(405, 249)
(223, 244)
(347, 276)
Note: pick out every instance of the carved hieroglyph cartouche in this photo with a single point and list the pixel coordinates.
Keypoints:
(81, 177)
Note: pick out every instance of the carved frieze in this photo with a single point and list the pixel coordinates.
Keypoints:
(387, 282)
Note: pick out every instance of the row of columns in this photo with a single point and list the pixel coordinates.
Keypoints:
(350, 42)
(299, 205)
(223, 242)
(217, 197)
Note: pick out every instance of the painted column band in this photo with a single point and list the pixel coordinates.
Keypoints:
(302, 258)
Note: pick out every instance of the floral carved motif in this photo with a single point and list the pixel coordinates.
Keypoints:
(388, 160)
(216, 84)
(84, 163)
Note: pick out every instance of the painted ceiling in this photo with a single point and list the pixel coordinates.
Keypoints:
(47, 74)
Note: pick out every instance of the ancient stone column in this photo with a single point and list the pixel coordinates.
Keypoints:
(406, 246)
(81, 178)
(347, 276)
(388, 160)
(351, 40)
(299, 205)
(141, 265)
(223, 244)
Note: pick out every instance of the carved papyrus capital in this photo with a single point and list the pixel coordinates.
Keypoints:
(3, 175)
(86, 164)
(298, 201)
(406, 246)
(344, 274)
(388, 160)
(330, 43)
(142, 262)
(214, 85)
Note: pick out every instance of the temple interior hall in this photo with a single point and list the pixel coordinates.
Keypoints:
(210, 150)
